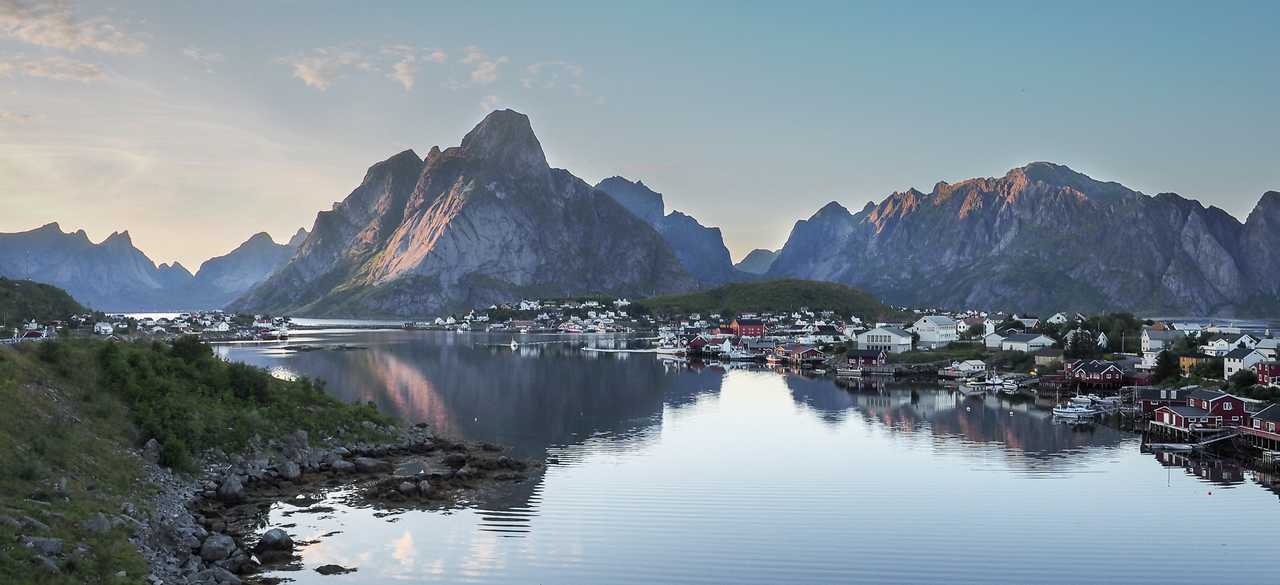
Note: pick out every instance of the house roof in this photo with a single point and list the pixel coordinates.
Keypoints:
(866, 353)
(1163, 335)
(1150, 393)
(749, 322)
(1207, 394)
(1024, 337)
(891, 330)
(937, 321)
(1095, 366)
(1186, 410)
(1271, 413)
(1238, 353)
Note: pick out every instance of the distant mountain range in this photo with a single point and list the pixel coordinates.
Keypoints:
(489, 221)
(113, 275)
(1045, 238)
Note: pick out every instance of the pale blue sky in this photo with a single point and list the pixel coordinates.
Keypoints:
(196, 124)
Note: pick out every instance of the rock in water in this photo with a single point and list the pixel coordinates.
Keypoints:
(370, 465)
(274, 539)
(333, 570)
(231, 490)
(290, 471)
(217, 547)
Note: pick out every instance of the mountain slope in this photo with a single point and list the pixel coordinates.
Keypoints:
(757, 261)
(22, 300)
(1041, 238)
(701, 249)
(222, 279)
(487, 221)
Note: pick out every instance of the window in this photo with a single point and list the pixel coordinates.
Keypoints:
(1226, 406)
(1257, 424)
(1271, 427)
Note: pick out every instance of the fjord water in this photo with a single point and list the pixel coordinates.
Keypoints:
(665, 474)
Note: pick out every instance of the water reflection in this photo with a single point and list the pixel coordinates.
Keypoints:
(662, 472)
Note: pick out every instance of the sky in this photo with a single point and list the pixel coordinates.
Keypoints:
(196, 124)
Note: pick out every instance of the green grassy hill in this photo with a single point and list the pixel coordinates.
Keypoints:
(24, 299)
(772, 295)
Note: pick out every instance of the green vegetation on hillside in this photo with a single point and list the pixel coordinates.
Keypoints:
(21, 300)
(772, 295)
(74, 409)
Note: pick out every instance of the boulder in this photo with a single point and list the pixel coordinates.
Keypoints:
(274, 539)
(217, 576)
(44, 546)
(97, 524)
(371, 465)
(231, 490)
(290, 471)
(455, 460)
(333, 570)
(425, 488)
(408, 488)
(343, 466)
(217, 547)
(151, 451)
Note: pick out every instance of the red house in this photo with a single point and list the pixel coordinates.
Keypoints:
(799, 353)
(1205, 409)
(747, 327)
(1268, 373)
(1149, 399)
(867, 357)
(1094, 373)
(1263, 428)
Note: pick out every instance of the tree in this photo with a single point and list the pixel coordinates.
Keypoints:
(1081, 344)
(975, 331)
(1166, 368)
(1208, 369)
(1243, 379)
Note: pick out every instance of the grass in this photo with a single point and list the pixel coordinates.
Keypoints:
(73, 409)
(772, 295)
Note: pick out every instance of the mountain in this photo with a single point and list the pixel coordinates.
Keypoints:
(772, 295)
(222, 279)
(114, 275)
(487, 221)
(701, 249)
(1044, 238)
(111, 275)
(21, 300)
(757, 261)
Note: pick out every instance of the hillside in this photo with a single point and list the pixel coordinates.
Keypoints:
(772, 295)
(21, 300)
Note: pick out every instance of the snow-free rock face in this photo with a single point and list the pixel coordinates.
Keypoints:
(701, 249)
(1043, 238)
(484, 222)
(222, 279)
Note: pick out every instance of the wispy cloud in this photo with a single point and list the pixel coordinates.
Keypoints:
(53, 23)
(405, 69)
(15, 118)
(484, 69)
(548, 74)
(59, 68)
(202, 56)
(490, 103)
(321, 67)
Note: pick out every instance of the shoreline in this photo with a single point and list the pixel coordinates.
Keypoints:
(204, 528)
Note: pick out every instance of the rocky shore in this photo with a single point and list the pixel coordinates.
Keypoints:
(207, 529)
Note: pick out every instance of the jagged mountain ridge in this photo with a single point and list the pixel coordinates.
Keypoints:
(487, 221)
(114, 275)
(1043, 238)
(701, 249)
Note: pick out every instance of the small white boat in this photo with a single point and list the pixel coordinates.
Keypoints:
(515, 345)
(1074, 411)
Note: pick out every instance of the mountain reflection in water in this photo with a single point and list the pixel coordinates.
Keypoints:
(664, 473)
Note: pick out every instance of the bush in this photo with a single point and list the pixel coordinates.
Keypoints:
(175, 454)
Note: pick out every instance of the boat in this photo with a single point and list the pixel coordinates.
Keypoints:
(774, 359)
(1074, 411)
(515, 345)
(819, 371)
(849, 372)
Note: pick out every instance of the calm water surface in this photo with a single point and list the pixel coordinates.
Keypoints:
(663, 474)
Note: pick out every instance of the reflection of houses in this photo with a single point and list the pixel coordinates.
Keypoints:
(1215, 470)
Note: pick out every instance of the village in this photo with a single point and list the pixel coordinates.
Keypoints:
(1192, 383)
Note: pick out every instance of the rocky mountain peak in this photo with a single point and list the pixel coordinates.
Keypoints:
(505, 138)
(832, 209)
(298, 237)
(119, 239)
(639, 199)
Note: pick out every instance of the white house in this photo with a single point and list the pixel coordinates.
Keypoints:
(992, 340)
(1221, 345)
(935, 331)
(1058, 319)
(1269, 347)
(1026, 342)
(1241, 358)
(1156, 341)
(103, 328)
(970, 367)
(890, 339)
(1027, 322)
